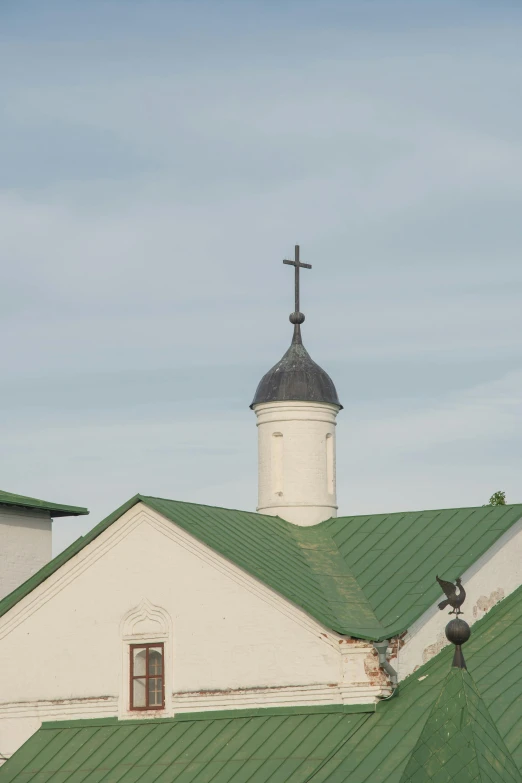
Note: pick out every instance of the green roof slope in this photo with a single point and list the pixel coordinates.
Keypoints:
(370, 577)
(303, 564)
(381, 749)
(55, 509)
(299, 745)
(460, 742)
(286, 748)
(395, 557)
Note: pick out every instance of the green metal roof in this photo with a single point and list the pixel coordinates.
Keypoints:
(368, 576)
(274, 747)
(304, 745)
(381, 749)
(303, 564)
(460, 741)
(395, 557)
(364, 576)
(55, 509)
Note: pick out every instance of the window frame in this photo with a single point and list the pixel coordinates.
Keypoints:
(146, 646)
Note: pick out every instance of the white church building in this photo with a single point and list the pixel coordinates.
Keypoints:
(169, 618)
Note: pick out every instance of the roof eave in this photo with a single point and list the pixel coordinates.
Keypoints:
(54, 509)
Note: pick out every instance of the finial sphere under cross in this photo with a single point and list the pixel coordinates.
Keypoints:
(297, 317)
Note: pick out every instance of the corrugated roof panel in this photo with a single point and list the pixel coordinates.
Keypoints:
(446, 542)
(272, 748)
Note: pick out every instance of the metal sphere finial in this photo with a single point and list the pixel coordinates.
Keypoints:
(458, 631)
(296, 318)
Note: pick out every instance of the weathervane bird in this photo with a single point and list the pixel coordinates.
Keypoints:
(454, 600)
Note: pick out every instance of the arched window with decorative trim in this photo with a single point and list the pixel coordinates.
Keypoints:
(146, 634)
(147, 677)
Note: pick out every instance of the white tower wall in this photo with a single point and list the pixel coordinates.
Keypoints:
(25, 545)
(296, 460)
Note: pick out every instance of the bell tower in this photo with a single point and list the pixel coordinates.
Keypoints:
(296, 405)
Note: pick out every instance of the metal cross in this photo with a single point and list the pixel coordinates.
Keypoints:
(298, 265)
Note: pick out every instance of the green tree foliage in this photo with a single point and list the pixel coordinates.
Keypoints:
(497, 499)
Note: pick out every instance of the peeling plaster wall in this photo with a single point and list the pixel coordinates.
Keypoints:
(493, 577)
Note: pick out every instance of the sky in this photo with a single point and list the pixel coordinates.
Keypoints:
(159, 159)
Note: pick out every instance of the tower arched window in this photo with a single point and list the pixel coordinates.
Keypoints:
(277, 463)
(330, 464)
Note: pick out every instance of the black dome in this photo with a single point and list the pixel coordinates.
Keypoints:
(296, 377)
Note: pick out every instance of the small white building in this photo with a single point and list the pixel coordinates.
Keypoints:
(26, 536)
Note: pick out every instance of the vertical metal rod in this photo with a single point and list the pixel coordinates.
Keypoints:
(297, 278)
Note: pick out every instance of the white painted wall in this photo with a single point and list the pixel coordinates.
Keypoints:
(25, 545)
(230, 641)
(296, 461)
(493, 577)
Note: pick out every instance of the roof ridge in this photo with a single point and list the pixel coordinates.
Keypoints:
(333, 520)
(506, 507)
(221, 508)
(471, 686)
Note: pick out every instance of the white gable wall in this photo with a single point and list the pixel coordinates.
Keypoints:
(230, 641)
(25, 545)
